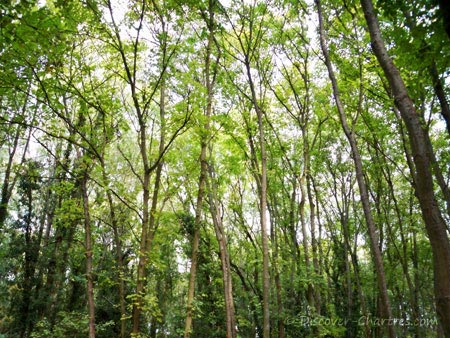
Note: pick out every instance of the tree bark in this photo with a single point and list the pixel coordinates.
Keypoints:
(224, 256)
(372, 232)
(89, 254)
(8, 184)
(440, 93)
(148, 216)
(305, 239)
(118, 249)
(203, 174)
(149, 211)
(263, 204)
(420, 147)
(30, 260)
(192, 277)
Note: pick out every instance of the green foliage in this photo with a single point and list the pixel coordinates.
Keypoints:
(70, 324)
(80, 93)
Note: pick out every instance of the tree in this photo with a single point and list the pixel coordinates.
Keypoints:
(249, 41)
(420, 147)
(349, 133)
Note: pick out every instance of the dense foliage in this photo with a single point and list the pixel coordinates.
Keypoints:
(174, 167)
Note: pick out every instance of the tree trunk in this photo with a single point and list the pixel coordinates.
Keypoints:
(203, 173)
(89, 255)
(59, 254)
(372, 232)
(140, 279)
(8, 185)
(263, 204)
(402, 254)
(305, 239)
(224, 257)
(440, 93)
(149, 211)
(275, 214)
(29, 264)
(192, 277)
(118, 249)
(420, 147)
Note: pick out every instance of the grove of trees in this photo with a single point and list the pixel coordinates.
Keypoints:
(224, 168)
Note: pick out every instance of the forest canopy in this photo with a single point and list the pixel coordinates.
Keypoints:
(224, 168)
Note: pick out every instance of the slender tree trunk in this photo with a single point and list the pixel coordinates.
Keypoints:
(415, 264)
(58, 266)
(59, 254)
(373, 237)
(420, 147)
(440, 93)
(278, 287)
(140, 280)
(403, 254)
(157, 184)
(196, 238)
(319, 238)
(436, 169)
(118, 249)
(89, 255)
(275, 214)
(45, 223)
(8, 184)
(203, 174)
(130, 71)
(248, 286)
(362, 298)
(293, 211)
(263, 204)
(192, 277)
(224, 257)
(305, 240)
(312, 217)
(28, 265)
(312, 213)
(120, 267)
(149, 211)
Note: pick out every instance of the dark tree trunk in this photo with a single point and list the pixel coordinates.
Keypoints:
(420, 147)
(89, 255)
(444, 6)
(440, 93)
(30, 261)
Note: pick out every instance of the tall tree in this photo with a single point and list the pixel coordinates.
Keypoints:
(249, 42)
(420, 148)
(210, 68)
(349, 133)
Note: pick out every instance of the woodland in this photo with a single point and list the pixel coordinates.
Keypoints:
(224, 168)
